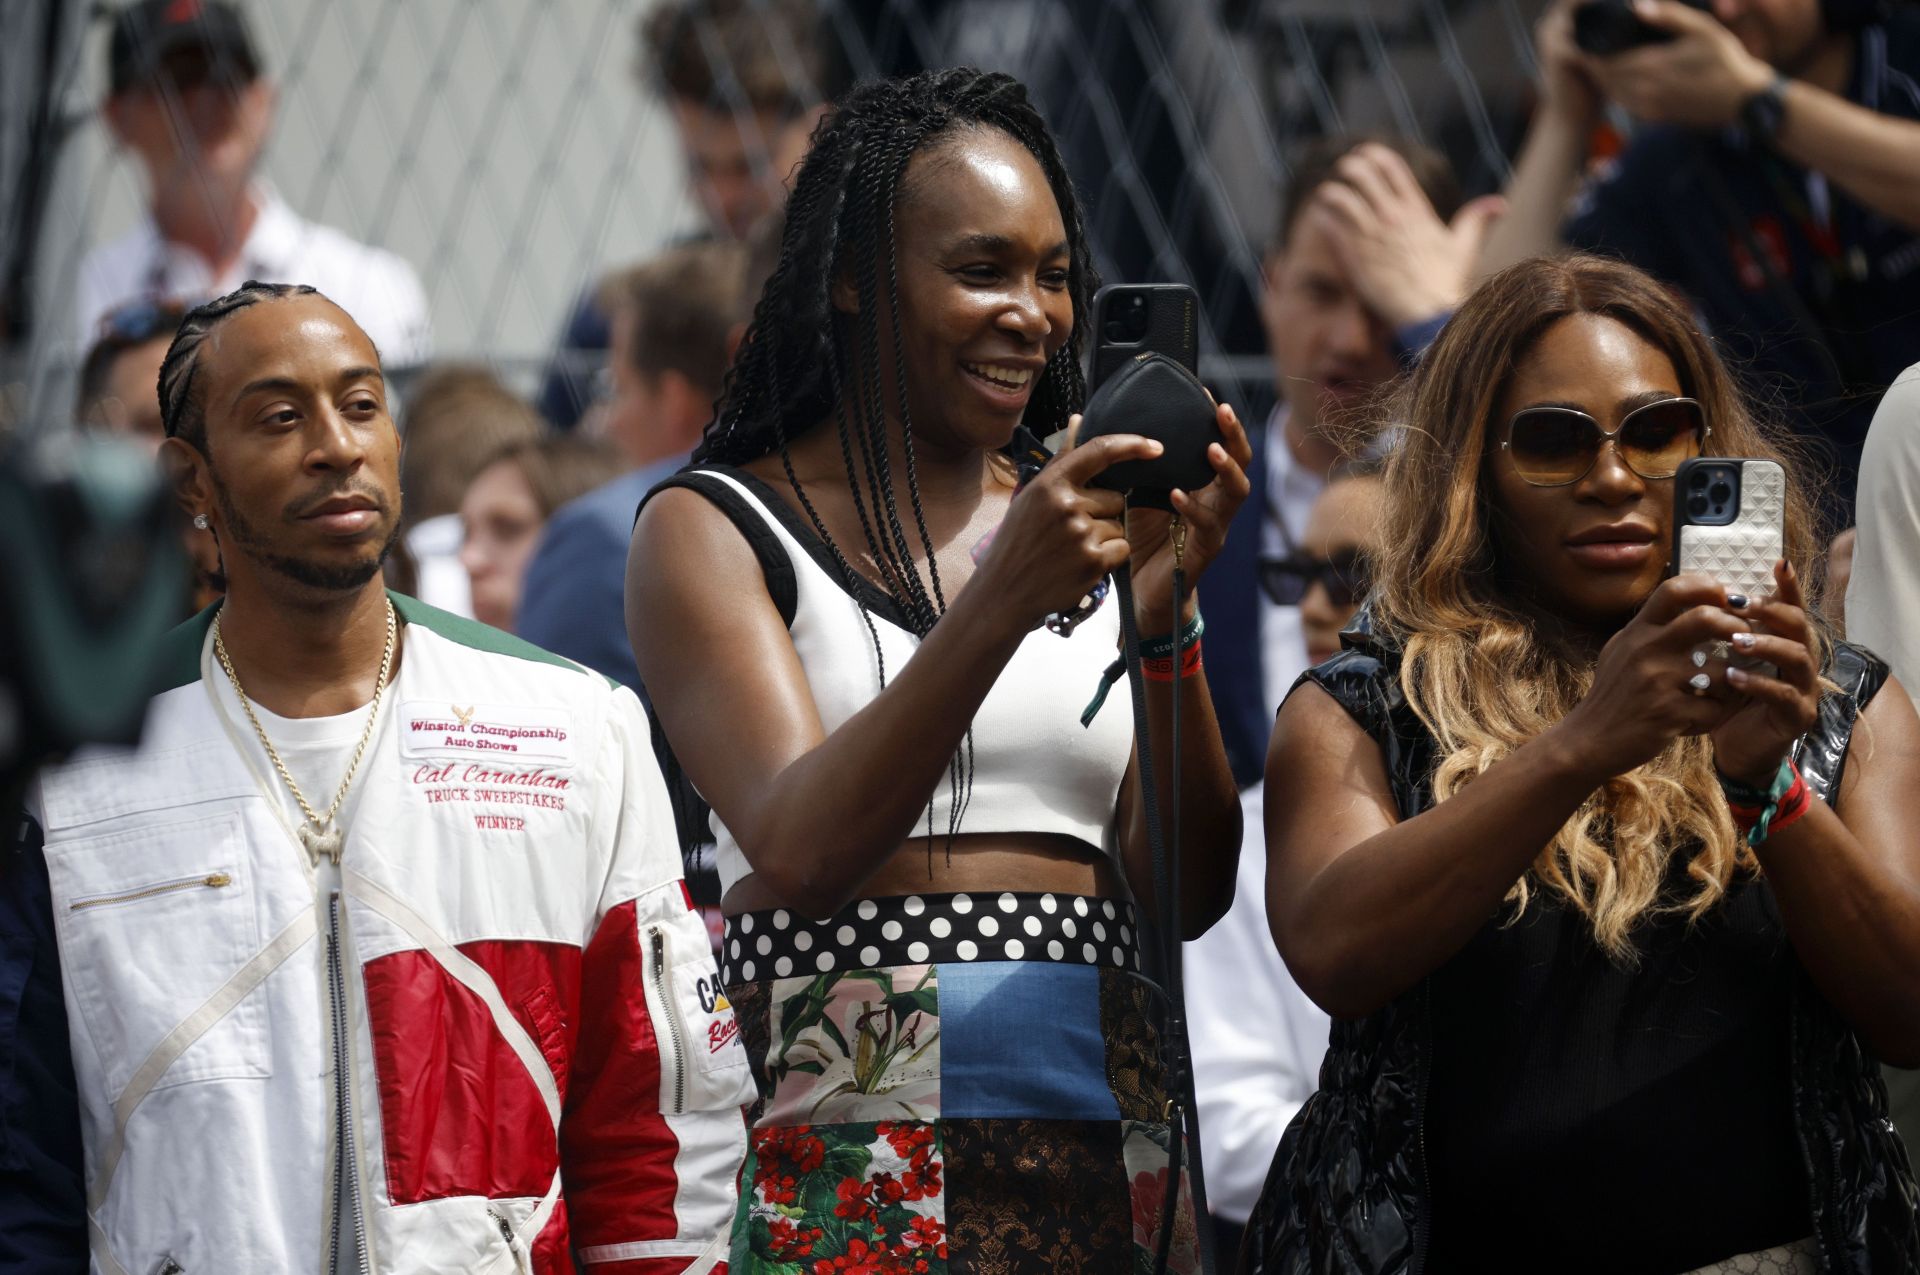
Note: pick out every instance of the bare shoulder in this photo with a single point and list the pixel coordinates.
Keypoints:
(1325, 774)
(683, 540)
(1313, 728)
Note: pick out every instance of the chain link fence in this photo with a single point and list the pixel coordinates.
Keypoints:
(510, 151)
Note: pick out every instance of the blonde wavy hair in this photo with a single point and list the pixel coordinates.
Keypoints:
(1484, 670)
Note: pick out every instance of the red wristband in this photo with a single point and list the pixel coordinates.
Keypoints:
(1160, 668)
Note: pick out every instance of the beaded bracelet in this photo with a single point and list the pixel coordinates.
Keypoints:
(1759, 813)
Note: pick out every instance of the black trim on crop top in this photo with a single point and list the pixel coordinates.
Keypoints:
(870, 595)
(761, 538)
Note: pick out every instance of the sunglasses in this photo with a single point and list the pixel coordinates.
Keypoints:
(1554, 446)
(1344, 575)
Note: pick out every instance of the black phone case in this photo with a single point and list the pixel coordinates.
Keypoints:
(1173, 328)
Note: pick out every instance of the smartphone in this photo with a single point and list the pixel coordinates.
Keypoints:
(1603, 28)
(1131, 319)
(1729, 522)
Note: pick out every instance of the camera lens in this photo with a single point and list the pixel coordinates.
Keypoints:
(1699, 478)
(1697, 505)
(1721, 493)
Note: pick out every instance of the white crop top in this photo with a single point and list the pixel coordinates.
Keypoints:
(1036, 769)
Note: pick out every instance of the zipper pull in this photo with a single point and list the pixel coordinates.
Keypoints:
(217, 879)
(506, 1227)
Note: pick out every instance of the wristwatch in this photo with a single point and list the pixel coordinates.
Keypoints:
(1763, 114)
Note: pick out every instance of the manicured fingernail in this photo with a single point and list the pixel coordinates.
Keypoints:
(1744, 641)
(1738, 677)
(1738, 601)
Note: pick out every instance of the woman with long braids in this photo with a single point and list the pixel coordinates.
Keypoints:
(1612, 929)
(933, 872)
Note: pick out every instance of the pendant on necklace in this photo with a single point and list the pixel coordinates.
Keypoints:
(321, 841)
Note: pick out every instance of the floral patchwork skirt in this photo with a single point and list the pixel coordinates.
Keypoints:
(951, 1083)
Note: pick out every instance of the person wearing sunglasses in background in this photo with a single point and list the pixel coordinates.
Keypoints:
(1372, 250)
(1612, 931)
(1328, 576)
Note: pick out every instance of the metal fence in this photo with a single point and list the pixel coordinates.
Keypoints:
(509, 151)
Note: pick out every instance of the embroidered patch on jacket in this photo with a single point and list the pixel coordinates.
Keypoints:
(508, 734)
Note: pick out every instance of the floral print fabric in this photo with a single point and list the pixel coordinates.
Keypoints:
(854, 1167)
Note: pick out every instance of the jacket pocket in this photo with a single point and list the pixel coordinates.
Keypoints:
(152, 920)
(703, 1066)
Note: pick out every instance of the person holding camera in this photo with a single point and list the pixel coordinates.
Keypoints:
(1774, 178)
(1612, 928)
(934, 874)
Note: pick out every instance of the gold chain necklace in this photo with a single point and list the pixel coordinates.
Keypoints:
(318, 834)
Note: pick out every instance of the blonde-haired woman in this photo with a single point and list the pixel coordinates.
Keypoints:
(1594, 1013)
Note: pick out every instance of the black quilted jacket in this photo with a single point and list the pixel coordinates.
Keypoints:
(1347, 1189)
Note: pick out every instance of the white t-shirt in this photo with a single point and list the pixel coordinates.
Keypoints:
(317, 750)
(1883, 598)
(380, 290)
(443, 581)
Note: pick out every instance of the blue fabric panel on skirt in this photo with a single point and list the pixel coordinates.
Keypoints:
(1019, 1039)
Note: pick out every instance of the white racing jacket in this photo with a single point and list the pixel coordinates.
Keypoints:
(492, 1034)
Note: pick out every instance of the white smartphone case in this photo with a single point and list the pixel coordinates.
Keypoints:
(1741, 554)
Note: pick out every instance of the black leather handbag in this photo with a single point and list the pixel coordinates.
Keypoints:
(1157, 397)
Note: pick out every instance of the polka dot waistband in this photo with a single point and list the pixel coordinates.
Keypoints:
(929, 929)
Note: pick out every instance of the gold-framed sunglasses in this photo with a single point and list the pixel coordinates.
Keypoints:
(1555, 446)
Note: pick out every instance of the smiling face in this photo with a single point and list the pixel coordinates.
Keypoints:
(1329, 350)
(1592, 550)
(299, 464)
(983, 286)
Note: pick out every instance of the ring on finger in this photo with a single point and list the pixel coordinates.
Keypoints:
(1699, 684)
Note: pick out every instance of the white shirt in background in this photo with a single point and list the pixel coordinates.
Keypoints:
(1883, 599)
(442, 581)
(1291, 491)
(379, 289)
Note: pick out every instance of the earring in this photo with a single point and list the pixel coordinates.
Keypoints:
(200, 521)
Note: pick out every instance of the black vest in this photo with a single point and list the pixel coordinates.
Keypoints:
(1347, 1190)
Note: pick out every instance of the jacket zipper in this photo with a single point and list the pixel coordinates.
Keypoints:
(346, 1174)
(212, 880)
(168, 1266)
(506, 1233)
(657, 971)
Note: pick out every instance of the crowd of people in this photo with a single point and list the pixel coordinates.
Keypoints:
(660, 824)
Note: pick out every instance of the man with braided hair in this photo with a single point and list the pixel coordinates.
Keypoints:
(375, 951)
(930, 867)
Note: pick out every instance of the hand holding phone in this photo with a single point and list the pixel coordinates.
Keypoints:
(1729, 523)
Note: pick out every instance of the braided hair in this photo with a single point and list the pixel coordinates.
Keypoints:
(795, 366)
(181, 415)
